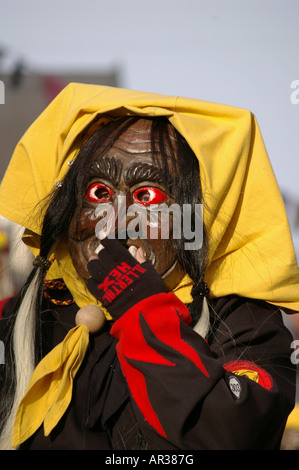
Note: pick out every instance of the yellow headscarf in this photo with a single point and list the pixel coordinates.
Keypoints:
(250, 247)
(251, 251)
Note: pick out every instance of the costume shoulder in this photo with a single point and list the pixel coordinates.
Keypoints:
(243, 365)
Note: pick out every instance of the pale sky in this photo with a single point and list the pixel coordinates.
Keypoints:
(237, 52)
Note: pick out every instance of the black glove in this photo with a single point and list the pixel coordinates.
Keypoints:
(119, 281)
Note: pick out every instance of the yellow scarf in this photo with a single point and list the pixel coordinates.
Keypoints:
(50, 390)
(250, 247)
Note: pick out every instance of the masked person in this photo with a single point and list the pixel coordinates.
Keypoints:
(134, 331)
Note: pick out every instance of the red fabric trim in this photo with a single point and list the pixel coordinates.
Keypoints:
(138, 389)
(2, 303)
(163, 314)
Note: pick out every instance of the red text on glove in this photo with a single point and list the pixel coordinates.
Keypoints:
(119, 279)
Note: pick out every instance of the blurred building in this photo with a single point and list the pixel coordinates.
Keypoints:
(27, 94)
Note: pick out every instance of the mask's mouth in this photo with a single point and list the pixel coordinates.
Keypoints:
(148, 253)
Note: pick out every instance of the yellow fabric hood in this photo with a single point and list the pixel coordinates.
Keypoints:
(251, 252)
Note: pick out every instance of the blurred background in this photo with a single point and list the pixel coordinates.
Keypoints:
(236, 52)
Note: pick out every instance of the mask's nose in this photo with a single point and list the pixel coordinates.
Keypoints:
(115, 217)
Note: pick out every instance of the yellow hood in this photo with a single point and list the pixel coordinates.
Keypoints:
(251, 251)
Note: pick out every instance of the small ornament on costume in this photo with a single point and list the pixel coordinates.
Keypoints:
(251, 371)
(235, 386)
(200, 289)
(91, 316)
(59, 286)
(42, 262)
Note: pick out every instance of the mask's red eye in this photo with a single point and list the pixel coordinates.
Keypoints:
(148, 196)
(99, 192)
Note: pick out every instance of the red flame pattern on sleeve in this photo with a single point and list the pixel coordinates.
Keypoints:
(163, 314)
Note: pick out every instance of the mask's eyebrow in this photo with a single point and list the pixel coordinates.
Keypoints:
(138, 172)
(107, 168)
